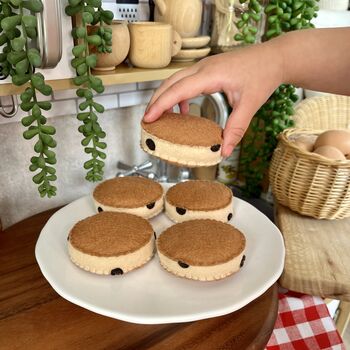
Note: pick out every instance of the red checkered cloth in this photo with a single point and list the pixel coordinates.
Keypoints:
(303, 323)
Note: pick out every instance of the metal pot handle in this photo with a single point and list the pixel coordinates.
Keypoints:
(14, 108)
(50, 33)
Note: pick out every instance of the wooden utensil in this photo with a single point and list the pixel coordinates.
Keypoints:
(184, 15)
(120, 47)
(153, 44)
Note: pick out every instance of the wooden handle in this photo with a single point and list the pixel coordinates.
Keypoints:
(176, 43)
(161, 6)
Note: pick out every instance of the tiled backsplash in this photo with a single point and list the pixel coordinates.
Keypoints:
(66, 102)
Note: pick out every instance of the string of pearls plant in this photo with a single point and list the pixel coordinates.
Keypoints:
(275, 115)
(18, 60)
(18, 28)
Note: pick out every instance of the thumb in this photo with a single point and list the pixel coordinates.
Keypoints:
(236, 126)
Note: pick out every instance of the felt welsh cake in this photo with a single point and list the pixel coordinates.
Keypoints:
(204, 250)
(131, 194)
(111, 243)
(183, 140)
(199, 199)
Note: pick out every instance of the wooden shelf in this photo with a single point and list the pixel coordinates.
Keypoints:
(121, 75)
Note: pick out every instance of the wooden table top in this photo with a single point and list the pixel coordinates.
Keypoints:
(317, 254)
(33, 316)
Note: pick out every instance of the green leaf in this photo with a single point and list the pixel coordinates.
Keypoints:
(77, 61)
(9, 23)
(88, 94)
(45, 105)
(16, 2)
(83, 105)
(47, 129)
(98, 107)
(37, 80)
(80, 80)
(33, 167)
(74, 2)
(49, 154)
(87, 17)
(73, 10)
(94, 40)
(78, 50)
(22, 67)
(83, 116)
(39, 178)
(91, 61)
(33, 5)
(29, 134)
(15, 57)
(107, 16)
(29, 21)
(27, 121)
(17, 44)
(80, 32)
(94, 3)
(36, 111)
(45, 90)
(82, 69)
(19, 80)
(38, 147)
(34, 57)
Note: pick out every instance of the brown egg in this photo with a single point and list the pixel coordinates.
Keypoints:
(330, 152)
(337, 138)
(305, 142)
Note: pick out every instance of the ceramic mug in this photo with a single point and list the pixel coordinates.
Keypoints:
(184, 15)
(152, 44)
(120, 47)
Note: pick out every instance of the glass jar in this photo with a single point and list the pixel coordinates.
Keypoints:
(227, 14)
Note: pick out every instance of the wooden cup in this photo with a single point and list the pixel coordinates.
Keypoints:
(152, 44)
(120, 47)
(184, 15)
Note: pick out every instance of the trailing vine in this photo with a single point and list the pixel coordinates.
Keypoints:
(249, 22)
(18, 60)
(275, 115)
(97, 40)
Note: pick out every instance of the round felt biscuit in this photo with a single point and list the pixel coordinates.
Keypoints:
(110, 234)
(128, 192)
(201, 242)
(199, 195)
(185, 129)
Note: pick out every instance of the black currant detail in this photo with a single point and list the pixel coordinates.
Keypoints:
(215, 148)
(242, 261)
(180, 211)
(68, 238)
(155, 236)
(183, 265)
(117, 271)
(100, 209)
(229, 217)
(150, 144)
(151, 205)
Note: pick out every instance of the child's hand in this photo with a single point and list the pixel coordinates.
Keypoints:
(247, 76)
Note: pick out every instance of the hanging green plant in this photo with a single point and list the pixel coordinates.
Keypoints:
(275, 115)
(100, 40)
(249, 22)
(18, 28)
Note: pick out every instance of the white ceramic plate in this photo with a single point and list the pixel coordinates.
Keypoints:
(151, 295)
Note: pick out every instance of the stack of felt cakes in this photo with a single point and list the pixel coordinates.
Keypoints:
(201, 245)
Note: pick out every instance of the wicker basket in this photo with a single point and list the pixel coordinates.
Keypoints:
(306, 182)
